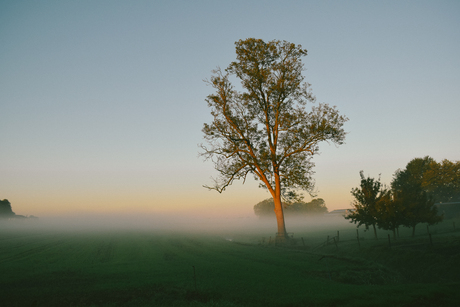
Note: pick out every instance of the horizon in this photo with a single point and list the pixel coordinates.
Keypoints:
(103, 103)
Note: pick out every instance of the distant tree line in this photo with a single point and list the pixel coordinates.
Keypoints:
(266, 208)
(411, 198)
(6, 211)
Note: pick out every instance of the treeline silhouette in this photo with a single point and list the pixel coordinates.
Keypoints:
(411, 198)
(266, 208)
(6, 211)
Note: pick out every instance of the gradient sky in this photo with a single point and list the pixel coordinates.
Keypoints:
(102, 102)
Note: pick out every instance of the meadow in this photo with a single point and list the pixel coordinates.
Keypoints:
(44, 266)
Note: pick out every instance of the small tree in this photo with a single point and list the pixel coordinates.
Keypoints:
(365, 206)
(266, 130)
(390, 212)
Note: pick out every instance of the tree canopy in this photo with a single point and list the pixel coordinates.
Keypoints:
(5, 209)
(407, 186)
(410, 200)
(366, 202)
(390, 212)
(265, 130)
(442, 181)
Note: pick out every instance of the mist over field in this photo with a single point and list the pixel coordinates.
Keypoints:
(244, 228)
(180, 260)
(122, 128)
(250, 225)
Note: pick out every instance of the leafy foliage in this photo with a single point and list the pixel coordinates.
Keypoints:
(418, 206)
(266, 130)
(5, 209)
(390, 212)
(410, 200)
(366, 204)
(442, 181)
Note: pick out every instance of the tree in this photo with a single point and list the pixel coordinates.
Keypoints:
(390, 212)
(265, 130)
(418, 206)
(316, 206)
(442, 181)
(365, 206)
(266, 208)
(5, 209)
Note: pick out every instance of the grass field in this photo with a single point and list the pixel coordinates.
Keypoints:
(139, 267)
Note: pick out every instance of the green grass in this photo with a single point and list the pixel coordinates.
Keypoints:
(151, 268)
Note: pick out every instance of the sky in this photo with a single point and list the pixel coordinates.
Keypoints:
(103, 102)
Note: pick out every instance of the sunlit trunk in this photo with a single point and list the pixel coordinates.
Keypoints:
(281, 236)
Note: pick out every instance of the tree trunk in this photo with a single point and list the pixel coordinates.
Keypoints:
(281, 236)
(413, 231)
(394, 233)
(375, 231)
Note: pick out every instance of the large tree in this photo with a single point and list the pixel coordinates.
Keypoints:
(442, 181)
(264, 129)
(418, 206)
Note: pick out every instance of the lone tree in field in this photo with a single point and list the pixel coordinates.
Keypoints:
(265, 130)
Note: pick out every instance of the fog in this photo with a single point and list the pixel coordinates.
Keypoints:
(229, 228)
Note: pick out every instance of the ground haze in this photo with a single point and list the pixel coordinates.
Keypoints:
(143, 261)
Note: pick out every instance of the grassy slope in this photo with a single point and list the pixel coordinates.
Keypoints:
(155, 269)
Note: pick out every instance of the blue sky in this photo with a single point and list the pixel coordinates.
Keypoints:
(102, 102)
